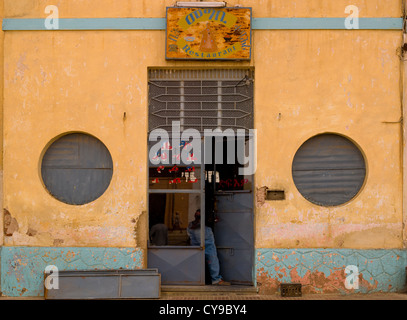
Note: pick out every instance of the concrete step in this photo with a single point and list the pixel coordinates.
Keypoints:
(208, 289)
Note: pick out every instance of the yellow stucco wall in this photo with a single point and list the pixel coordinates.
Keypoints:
(404, 150)
(1, 115)
(329, 81)
(156, 8)
(342, 81)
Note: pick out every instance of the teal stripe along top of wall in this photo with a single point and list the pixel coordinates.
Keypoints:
(160, 24)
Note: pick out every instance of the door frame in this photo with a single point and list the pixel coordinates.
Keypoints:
(202, 186)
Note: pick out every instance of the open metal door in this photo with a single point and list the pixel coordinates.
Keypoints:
(234, 236)
(229, 198)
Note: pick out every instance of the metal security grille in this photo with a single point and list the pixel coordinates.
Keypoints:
(201, 99)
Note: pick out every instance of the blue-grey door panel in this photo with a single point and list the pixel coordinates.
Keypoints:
(234, 236)
(235, 202)
(178, 265)
(234, 230)
(236, 265)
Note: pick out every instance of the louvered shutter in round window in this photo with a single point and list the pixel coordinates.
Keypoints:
(77, 169)
(329, 170)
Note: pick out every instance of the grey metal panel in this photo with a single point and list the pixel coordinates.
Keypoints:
(230, 201)
(106, 284)
(77, 169)
(328, 170)
(178, 265)
(236, 265)
(140, 286)
(234, 237)
(234, 230)
(88, 273)
(86, 287)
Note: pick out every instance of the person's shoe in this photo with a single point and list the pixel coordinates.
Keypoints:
(221, 283)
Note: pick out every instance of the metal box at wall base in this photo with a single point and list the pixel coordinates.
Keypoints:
(291, 289)
(103, 284)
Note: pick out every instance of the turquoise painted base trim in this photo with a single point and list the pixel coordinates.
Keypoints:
(22, 268)
(319, 270)
(160, 24)
(323, 270)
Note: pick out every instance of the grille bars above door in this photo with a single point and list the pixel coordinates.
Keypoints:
(201, 99)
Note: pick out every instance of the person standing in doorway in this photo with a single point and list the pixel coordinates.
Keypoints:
(211, 256)
(159, 234)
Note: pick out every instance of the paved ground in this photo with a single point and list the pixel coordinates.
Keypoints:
(235, 296)
(250, 293)
(382, 296)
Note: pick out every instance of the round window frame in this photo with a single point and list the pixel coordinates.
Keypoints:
(358, 147)
(41, 159)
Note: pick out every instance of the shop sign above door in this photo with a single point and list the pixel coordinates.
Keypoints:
(208, 34)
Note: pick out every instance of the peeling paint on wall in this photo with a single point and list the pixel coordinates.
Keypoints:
(261, 194)
(323, 270)
(138, 228)
(22, 268)
(10, 224)
(31, 232)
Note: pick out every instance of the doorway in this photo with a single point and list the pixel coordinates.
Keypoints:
(229, 209)
(199, 99)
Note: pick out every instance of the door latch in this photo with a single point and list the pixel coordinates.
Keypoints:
(231, 250)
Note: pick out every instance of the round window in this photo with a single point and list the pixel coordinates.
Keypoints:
(77, 169)
(329, 170)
